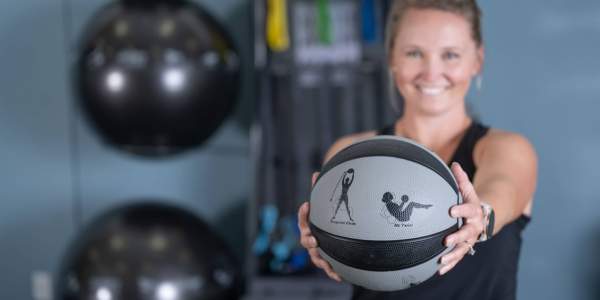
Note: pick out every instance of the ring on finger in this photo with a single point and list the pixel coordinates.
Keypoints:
(471, 249)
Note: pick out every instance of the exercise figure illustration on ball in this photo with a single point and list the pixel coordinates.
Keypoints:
(346, 180)
(402, 215)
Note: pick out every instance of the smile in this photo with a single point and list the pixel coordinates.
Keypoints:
(431, 91)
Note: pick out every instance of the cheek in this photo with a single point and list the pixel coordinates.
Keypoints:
(460, 75)
(406, 73)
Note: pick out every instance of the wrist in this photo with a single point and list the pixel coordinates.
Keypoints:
(489, 217)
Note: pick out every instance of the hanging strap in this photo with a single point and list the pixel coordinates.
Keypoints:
(278, 37)
(324, 22)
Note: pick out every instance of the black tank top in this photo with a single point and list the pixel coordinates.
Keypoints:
(490, 274)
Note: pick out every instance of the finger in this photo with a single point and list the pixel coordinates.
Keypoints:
(456, 254)
(308, 241)
(330, 272)
(323, 264)
(448, 267)
(467, 232)
(317, 260)
(466, 210)
(315, 175)
(315, 257)
(333, 275)
(450, 260)
(464, 184)
(303, 218)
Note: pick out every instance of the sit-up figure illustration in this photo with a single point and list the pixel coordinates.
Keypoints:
(397, 211)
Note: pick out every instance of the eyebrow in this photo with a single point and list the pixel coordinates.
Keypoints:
(453, 48)
(458, 49)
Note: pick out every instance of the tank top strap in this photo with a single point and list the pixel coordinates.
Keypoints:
(464, 152)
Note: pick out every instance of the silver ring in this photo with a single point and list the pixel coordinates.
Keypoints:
(471, 250)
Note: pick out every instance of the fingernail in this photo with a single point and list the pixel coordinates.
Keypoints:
(313, 241)
(449, 242)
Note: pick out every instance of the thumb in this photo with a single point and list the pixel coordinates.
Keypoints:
(464, 184)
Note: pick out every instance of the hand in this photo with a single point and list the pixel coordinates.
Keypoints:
(471, 212)
(309, 242)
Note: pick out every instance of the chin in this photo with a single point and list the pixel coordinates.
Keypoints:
(430, 105)
(433, 111)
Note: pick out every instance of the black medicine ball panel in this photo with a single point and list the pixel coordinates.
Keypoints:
(381, 255)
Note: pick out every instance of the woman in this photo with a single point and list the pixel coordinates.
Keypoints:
(435, 49)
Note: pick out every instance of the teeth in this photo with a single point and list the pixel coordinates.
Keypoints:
(430, 91)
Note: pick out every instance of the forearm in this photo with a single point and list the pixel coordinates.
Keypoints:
(502, 195)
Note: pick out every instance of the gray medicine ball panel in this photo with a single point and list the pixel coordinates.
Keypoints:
(373, 178)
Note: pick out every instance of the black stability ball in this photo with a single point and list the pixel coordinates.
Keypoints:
(148, 251)
(156, 77)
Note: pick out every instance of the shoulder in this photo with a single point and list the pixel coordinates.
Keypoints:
(499, 144)
(346, 141)
(510, 159)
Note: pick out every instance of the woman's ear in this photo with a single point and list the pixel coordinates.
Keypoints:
(480, 59)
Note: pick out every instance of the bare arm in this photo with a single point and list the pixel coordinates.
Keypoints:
(506, 175)
(506, 178)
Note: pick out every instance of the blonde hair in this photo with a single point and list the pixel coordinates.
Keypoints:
(465, 8)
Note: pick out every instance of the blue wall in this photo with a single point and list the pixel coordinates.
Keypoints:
(541, 78)
(35, 186)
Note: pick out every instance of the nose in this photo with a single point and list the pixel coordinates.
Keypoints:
(432, 69)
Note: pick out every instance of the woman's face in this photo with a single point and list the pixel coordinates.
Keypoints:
(433, 60)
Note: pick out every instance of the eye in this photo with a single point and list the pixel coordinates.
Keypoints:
(413, 53)
(450, 55)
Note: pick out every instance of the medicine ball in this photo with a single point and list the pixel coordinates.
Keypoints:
(149, 251)
(156, 77)
(380, 212)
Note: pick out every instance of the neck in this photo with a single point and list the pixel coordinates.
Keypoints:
(436, 132)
